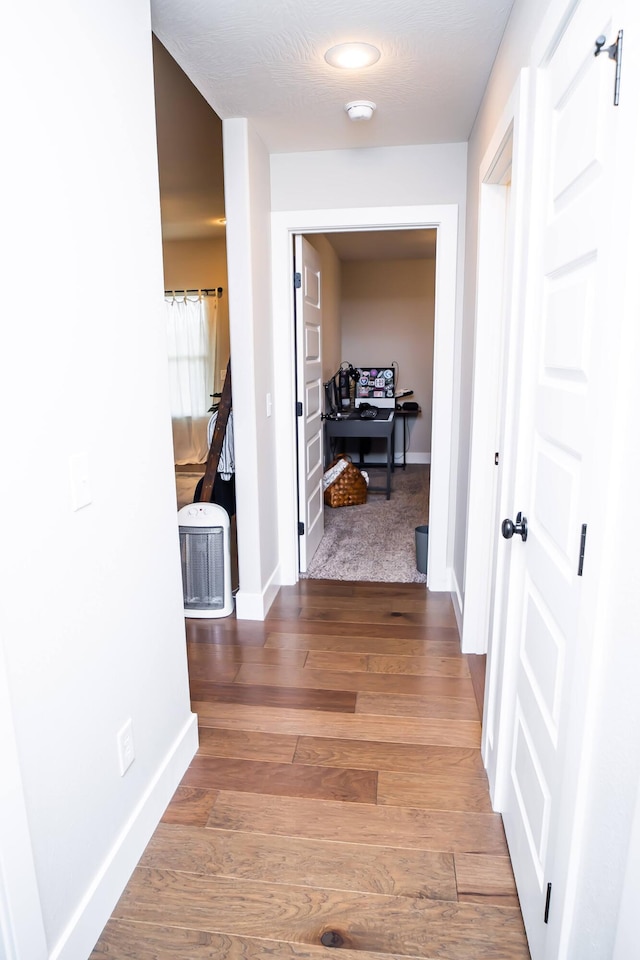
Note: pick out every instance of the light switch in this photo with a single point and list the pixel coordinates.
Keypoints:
(269, 405)
(79, 476)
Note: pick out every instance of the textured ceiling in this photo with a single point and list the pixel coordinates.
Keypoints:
(264, 59)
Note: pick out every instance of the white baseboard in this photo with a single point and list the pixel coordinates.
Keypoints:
(418, 457)
(95, 908)
(415, 458)
(457, 599)
(439, 581)
(255, 606)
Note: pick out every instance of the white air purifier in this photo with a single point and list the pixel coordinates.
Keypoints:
(206, 560)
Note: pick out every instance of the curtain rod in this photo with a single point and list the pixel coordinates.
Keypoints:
(208, 292)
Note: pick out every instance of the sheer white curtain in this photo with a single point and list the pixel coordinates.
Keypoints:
(191, 338)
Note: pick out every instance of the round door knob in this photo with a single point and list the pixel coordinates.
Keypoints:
(507, 529)
(519, 527)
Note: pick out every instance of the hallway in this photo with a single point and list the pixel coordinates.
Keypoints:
(338, 798)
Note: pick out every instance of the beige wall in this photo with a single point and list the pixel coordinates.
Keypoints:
(189, 136)
(387, 315)
(198, 264)
(195, 263)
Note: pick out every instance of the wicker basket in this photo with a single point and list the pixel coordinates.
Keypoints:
(349, 489)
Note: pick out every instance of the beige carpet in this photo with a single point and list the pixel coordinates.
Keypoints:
(376, 541)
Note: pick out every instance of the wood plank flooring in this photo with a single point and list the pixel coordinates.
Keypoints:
(338, 798)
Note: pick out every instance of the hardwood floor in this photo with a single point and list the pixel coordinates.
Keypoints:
(338, 798)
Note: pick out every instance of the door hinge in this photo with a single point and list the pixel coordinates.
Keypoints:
(547, 904)
(297, 280)
(615, 53)
(496, 457)
(583, 540)
(300, 528)
(299, 408)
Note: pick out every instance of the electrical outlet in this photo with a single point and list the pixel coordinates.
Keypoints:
(126, 749)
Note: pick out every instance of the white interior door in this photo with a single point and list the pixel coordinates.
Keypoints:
(310, 399)
(547, 639)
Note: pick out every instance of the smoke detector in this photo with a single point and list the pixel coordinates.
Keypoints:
(360, 109)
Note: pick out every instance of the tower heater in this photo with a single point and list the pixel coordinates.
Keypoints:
(206, 560)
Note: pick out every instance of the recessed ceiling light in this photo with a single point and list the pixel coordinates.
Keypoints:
(350, 56)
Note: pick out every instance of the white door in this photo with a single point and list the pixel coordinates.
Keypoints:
(310, 399)
(566, 374)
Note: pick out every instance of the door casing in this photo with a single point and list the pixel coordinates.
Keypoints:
(284, 226)
(496, 364)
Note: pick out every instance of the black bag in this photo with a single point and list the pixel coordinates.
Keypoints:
(224, 493)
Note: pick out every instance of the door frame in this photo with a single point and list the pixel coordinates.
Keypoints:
(507, 149)
(284, 225)
(488, 392)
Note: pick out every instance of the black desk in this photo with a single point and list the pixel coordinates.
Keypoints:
(353, 426)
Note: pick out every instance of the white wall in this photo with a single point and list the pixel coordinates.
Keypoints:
(376, 177)
(387, 315)
(91, 610)
(246, 167)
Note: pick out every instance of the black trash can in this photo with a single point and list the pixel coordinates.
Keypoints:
(422, 547)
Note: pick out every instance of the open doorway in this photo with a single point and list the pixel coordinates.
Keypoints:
(285, 225)
(190, 165)
(378, 308)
